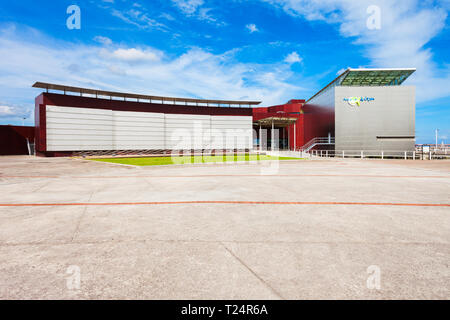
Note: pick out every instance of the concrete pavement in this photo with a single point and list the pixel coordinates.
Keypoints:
(224, 250)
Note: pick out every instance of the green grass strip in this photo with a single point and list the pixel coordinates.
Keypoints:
(157, 161)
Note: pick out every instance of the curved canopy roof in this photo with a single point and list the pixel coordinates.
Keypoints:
(110, 94)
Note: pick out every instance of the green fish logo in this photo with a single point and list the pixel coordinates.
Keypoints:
(354, 101)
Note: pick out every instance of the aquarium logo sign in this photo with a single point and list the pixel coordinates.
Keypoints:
(356, 101)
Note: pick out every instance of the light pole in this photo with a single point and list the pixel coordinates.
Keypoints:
(437, 130)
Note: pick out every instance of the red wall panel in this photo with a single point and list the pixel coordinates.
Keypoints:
(118, 105)
(312, 122)
(13, 139)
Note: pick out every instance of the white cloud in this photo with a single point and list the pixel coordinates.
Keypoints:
(195, 73)
(13, 111)
(203, 14)
(188, 7)
(193, 8)
(136, 55)
(407, 26)
(293, 57)
(6, 111)
(103, 40)
(252, 28)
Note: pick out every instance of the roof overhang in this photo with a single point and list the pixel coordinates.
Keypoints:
(369, 77)
(139, 97)
(276, 121)
(375, 77)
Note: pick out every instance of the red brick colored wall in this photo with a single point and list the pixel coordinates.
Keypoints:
(13, 139)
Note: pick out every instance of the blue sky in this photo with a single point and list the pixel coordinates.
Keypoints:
(269, 50)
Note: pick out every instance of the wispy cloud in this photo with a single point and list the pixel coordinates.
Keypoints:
(195, 9)
(167, 16)
(103, 40)
(406, 28)
(194, 73)
(188, 7)
(139, 19)
(11, 111)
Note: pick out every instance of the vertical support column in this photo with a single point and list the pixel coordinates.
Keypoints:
(164, 134)
(260, 138)
(295, 135)
(272, 138)
(414, 155)
(288, 137)
(406, 155)
(382, 155)
(362, 154)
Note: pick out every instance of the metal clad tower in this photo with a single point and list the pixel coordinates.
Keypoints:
(373, 111)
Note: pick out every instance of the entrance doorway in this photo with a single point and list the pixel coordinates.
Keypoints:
(273, 133)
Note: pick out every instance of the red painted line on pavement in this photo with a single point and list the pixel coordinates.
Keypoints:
(230, 175)
(225, 202)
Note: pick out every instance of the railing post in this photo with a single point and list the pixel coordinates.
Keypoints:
(382, 155)
(414, 155)
(320, 152)
(326, 153)
(343, 154)
(405, 155)
(362, 154)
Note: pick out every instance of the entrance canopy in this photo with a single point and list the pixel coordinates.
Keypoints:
(279, 122)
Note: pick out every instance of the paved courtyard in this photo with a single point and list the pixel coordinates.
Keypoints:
(301, 229)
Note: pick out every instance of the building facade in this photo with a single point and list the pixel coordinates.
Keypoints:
(68, 125)
(361, 110)
(371, 110)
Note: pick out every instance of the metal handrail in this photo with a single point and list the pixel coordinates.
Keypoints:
(381, 154)
(317, 141)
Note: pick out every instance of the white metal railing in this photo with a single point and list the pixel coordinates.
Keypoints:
(440, 148)
(377, 154)
(317, 141)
